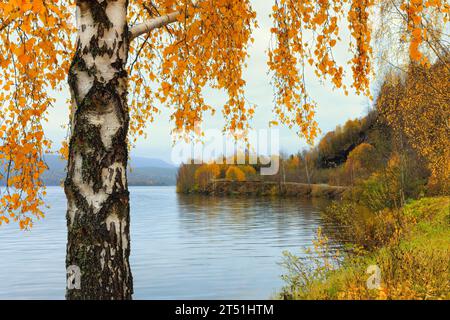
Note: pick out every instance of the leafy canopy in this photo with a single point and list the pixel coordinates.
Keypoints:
(207, 46)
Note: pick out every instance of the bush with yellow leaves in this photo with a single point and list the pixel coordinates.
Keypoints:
(235, 174)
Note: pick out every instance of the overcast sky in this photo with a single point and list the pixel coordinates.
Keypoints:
(333, 106)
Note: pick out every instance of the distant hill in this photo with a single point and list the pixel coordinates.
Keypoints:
(141, 172)
(141, 162)
(334, 148)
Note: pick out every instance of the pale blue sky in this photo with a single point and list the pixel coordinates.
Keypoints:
(333, 106)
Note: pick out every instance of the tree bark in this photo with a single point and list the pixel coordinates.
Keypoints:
(96, 187)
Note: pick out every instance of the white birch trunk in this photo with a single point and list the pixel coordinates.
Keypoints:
(96, 185)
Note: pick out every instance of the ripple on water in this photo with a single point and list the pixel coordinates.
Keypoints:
(183, 247)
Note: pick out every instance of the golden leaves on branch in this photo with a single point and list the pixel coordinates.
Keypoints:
(358, 18)
(34, 58)
(424, 19)
(207, 48)
(306, 33)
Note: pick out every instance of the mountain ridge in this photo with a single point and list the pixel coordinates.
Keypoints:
(141, 172)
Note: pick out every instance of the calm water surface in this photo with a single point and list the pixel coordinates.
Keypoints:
(182, 247)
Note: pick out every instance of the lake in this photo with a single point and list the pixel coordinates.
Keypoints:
(182, 247)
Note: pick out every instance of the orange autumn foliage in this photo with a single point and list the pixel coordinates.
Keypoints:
(235, 174)
(417, 107)
(205, 173)
(34, 59)
(206, 47)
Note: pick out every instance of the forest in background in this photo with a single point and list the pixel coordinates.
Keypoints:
(401, 143)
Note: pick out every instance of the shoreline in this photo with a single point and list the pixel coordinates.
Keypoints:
(268, 188)
(420, 244)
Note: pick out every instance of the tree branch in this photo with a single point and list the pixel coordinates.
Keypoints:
(152, 24)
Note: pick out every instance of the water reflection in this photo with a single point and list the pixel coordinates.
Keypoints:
(182, 247)
(269, 216)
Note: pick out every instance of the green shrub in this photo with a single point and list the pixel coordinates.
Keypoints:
(362, 226)
(301, 277)
(414, 266)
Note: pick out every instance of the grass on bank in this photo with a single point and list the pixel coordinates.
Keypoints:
(414, 264)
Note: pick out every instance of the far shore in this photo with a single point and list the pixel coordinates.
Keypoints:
(270, 188)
